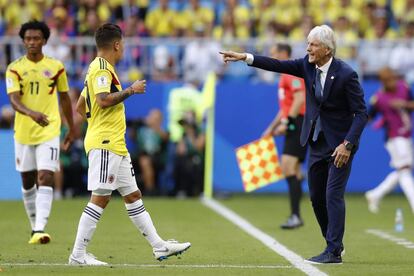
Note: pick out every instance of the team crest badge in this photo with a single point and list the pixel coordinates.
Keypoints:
(111, 179)
(47, 73)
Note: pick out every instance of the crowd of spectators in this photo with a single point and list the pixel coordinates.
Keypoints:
(231, 22)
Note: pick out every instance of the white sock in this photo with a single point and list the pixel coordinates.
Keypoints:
(29, 201)
(142, 220)
(387, 185)
(87, 225)
(44, 200)
(407, 185)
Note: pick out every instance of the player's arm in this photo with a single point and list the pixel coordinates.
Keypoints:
(18, 106)
(273, 125)
(81, 106)
(66, 105)
(298, 101)
(105, 99)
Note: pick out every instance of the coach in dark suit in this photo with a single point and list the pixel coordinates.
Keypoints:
(335, 118)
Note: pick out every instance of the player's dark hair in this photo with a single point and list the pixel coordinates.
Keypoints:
(106, 34)
(284, 47)
(35, 25)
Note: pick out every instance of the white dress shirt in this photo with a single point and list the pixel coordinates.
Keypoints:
(324, 68)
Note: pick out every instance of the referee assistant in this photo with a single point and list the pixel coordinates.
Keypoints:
(288, 122)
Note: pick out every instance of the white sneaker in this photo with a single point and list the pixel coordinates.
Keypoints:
(170, 248)
(373, 202)
(89, 259)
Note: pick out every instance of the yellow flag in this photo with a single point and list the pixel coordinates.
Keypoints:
(259, 163)
(208, 93)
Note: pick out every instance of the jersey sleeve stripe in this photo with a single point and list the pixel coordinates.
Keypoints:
(17, 74)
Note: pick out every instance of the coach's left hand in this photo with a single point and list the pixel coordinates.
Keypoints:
(341, 155)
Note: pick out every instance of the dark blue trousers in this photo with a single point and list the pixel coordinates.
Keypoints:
(327, 188)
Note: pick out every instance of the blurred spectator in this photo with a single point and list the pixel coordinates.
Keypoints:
(57, 48)
(182, 100)
(164, 65)
(402, 55)
(161, 21)
(152, 143)
(346, 39)
(189, 159)
(6, 117)
(18, 12)
(195, 16)
(381, 27)
(402, 9)
(200, 57)
(90, 14)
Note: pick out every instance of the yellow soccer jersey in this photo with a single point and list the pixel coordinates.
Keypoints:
(106, 127)
(38, 83)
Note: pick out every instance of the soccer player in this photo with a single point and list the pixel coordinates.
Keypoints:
(33, 82)
(397, 123)
(288, 122)
(110, 165)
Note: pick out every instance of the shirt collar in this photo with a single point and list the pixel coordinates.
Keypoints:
(324, 68)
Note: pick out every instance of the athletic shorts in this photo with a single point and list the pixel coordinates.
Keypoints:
(108, 172)
(44, 156)
(292, 141)
(401, 151)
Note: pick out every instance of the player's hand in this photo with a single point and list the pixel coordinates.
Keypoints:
(39, 118)
(68, 140)
(280, 130)
(268, 131)
(341, 155)
(139, 86)
(232, 56)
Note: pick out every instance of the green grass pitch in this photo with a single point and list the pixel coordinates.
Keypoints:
(218, 246)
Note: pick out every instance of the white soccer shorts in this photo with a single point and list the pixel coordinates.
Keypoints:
(44, 156)
(401, 151)
(108, 172)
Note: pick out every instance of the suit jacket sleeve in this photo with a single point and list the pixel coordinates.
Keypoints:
(355, 96)
(292, 67)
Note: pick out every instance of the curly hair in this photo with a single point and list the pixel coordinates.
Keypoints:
(35, 25)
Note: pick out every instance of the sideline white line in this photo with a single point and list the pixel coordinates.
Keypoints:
(161, 266)
(386, 236)
(273, 244)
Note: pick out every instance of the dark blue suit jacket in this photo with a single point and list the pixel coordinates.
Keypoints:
(342, 111)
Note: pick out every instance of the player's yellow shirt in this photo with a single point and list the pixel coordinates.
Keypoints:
(38, 83)
(106, 126)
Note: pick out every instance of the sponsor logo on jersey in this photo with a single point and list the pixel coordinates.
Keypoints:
(47, 73)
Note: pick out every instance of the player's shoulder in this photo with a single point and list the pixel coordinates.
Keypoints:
(98, 64)
(16, 64)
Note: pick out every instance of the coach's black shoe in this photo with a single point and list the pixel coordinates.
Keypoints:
(325, 258)
(293, 222)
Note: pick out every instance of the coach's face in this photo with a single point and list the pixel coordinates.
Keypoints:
(318, 52)
(33, 41)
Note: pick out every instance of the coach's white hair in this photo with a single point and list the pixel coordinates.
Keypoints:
(325, 35)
